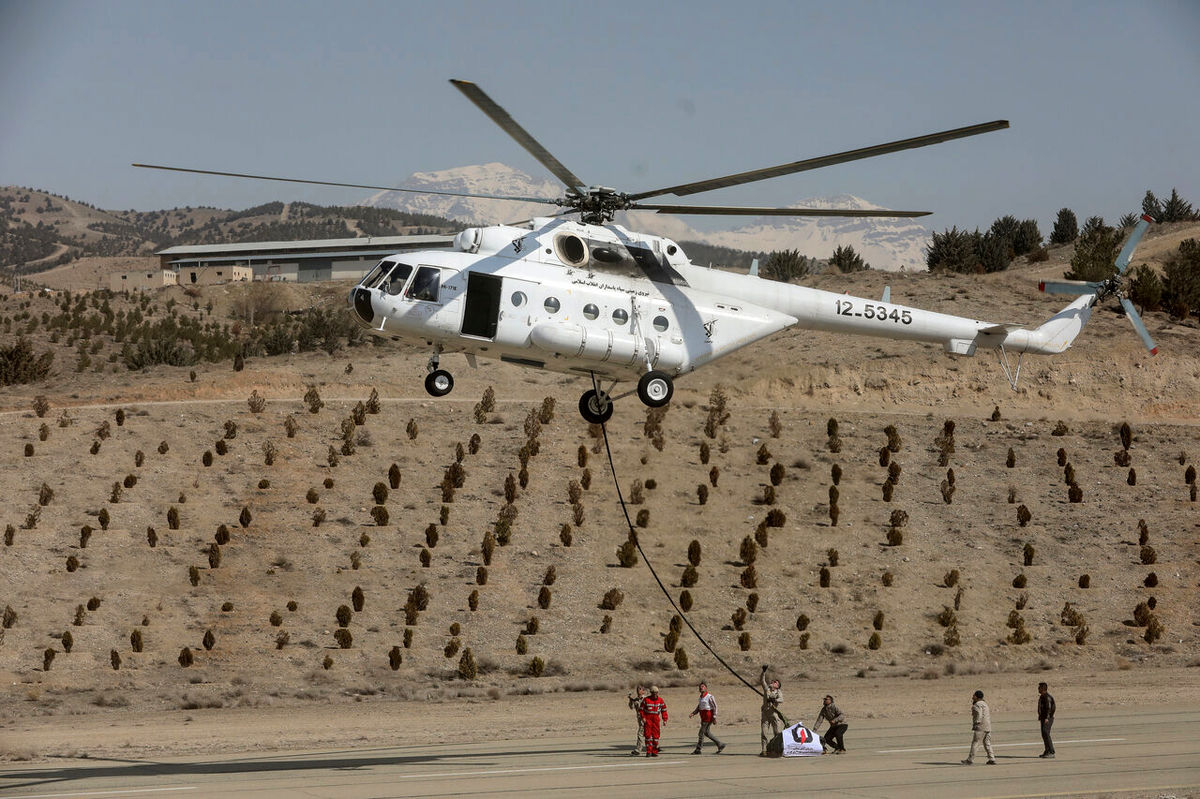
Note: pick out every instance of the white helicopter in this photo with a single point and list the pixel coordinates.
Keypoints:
(595, 299)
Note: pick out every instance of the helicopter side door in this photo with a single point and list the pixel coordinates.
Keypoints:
(481, 309)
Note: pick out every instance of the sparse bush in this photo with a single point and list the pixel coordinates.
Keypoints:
(72, 563)
(690, 577)
(874, 642)
(481, 575)
(1060, 429)
(887, 579)
(702, 494)
(173, 518)
(244, 518)
(776, 518)
(694, 552)
(1019, 581)
(670, 640)
(1154, 629)
(606, 624)
(951, 578)
(893, 438)
(1061, 455)
(889, 489)
(536, 667)
(748, 552)
(947, 617)
(803, 641)
(1151, 580)
(749, 578)
(612, 599)
(411, 429)
(951, 636)
(627, 554)
(1148, 555)
(1085, 581)
(1028, 552)
(744, 642)
(877, 622)
(186, 658)
(290, 426)
(210, 640)
(685, 600)
(343, 637)
(824, 577)
(1131, 479)
(544, 596)
(312, 398)
(1189, 475)
(894, 470)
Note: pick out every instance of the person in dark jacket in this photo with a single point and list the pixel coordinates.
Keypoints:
(1046, 718)
(837, 725)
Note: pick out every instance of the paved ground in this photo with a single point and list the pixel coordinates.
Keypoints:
(1113, 753)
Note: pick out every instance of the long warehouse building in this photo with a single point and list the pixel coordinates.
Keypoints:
(293, 261)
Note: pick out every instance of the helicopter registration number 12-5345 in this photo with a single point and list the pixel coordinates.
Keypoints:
(869, 311)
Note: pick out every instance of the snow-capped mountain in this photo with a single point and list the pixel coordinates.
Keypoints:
(491, 178)
(887, 244)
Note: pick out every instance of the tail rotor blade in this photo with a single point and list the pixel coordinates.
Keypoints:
(1136, 321)
(1073, 287)
(1126, 255)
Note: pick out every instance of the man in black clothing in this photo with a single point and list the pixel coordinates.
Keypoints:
(837, 725)
(1046, 718)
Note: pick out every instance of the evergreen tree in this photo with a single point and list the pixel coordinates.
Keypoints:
(1005, 231)
(847, 260)
(1151, 206)
(1176, 210)
(1146, 289)
(1095, 252)
(785, 266)
(1028, 237)
(952, 251)
(1066, 228)
(994, 252)
(1181, 290)
(1128, 221)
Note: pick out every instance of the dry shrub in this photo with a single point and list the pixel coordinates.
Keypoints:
(1028, 553)
(702, 494)
(1085, 581)
(1023, 515)
(887, 579)
(874, 642)
(877, 622)
(1019, 581)
(685, 600)
(612, 600)
(749, 578)
(951, 578)
(823, 578)
(744, 642)
(343, 637)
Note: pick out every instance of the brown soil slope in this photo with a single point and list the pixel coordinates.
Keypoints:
(279, 556)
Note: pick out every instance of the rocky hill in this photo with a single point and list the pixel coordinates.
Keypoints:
(263, 555)
(39, 230)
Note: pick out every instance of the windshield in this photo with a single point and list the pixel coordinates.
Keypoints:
(396, 280)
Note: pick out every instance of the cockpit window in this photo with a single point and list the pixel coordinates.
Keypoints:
(425, 285)
(375, 274)
(397, 279)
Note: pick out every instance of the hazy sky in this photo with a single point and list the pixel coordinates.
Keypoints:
(1104, 98)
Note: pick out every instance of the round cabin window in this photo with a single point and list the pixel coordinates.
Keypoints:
(552, 305)
(591, 311)
(620, 316)
(518, 299)
(661, 324)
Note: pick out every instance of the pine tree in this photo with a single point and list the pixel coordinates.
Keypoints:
(1066, 228)
(1151, 206)
(1095, 252)
(1176, 210)
(785, 266)
(847, 260)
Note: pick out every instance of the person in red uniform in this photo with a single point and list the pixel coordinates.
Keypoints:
(654, 714)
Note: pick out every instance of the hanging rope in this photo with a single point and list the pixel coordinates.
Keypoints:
(612, 469)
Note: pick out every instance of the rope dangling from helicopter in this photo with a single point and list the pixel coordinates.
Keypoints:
(612, 469)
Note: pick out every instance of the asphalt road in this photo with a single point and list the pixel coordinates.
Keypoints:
(1112, 753)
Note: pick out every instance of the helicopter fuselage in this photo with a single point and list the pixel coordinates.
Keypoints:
(598, 299)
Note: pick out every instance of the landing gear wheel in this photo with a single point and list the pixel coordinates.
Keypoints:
(655, 389)
(439, 382)
(595, 408)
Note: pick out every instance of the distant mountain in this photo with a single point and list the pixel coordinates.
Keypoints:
(887, 244)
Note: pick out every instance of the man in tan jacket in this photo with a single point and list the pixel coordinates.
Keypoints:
(981, 729)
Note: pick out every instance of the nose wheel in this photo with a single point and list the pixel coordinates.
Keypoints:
(655, 389)
(439, 382)
(596, 407)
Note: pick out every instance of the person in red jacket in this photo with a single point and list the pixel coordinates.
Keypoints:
(706, 706)
(654, 711)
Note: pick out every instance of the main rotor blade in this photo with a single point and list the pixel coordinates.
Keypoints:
(1136, 321)
(347, 185)
(522, 137)
(735, 210)
(828, 160)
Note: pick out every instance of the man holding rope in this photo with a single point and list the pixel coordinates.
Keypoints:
(772, 698)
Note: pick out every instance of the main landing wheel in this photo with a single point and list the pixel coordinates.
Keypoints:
(439, 382)
(655, 389)
(595, 407)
